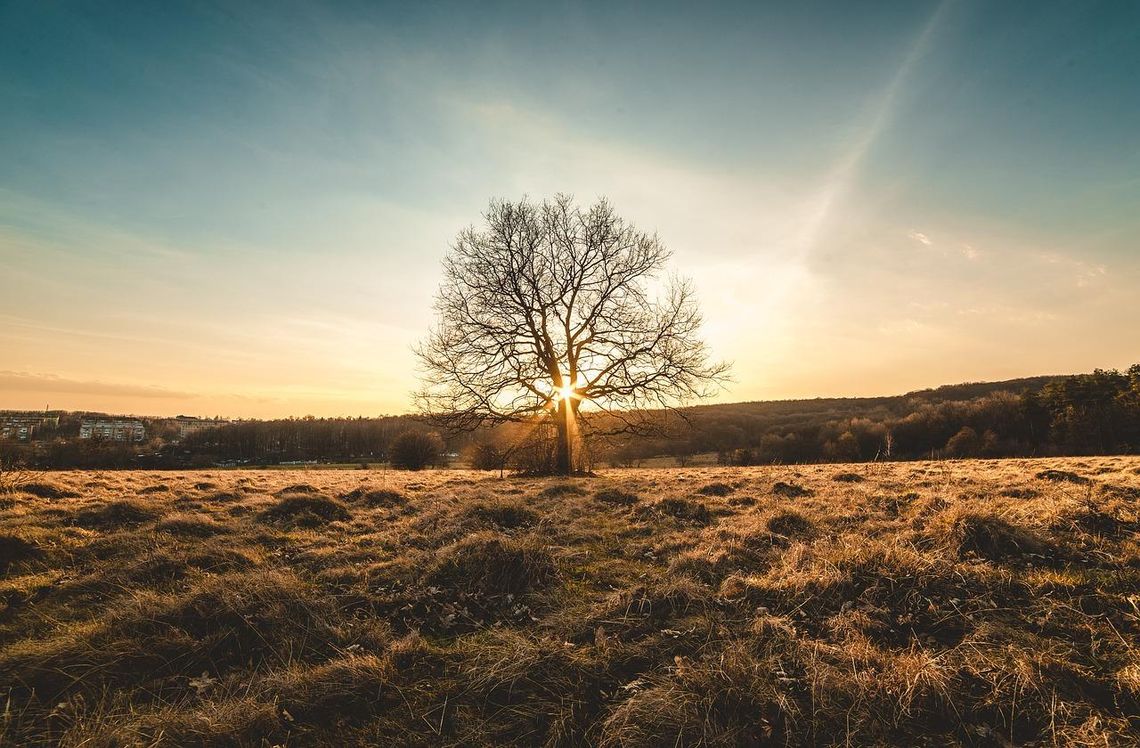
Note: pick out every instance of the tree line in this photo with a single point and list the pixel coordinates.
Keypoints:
(1097, 413)
(1083, 414)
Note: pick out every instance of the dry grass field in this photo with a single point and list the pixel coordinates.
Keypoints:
(955, 603)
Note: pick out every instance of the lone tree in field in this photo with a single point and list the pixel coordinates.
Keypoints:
(549, 308)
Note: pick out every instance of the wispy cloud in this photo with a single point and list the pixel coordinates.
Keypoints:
(840, 179)
(15, 381)
(920, 237)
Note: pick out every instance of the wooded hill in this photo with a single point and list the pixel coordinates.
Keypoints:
(1097, 413)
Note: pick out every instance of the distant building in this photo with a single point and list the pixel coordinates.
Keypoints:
(187, 425)
(23, 426)
(113, 429)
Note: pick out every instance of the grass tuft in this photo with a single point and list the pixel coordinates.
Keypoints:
(115, 515)
(791, 490)
(48, 490)
(493, 564)
(376, 497)
(305, 510)
(616, 496)
(932, 604)
(15, 550)
(715, 489)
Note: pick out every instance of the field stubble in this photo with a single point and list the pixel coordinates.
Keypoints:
(951, 603)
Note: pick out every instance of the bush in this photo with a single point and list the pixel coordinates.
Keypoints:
(415, 450)
(488, 457)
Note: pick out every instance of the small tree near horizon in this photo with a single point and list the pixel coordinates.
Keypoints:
(555, 311)
(415, 450)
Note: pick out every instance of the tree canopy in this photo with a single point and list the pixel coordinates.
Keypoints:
(549, 306)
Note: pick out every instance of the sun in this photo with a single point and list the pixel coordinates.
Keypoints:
(566, 391)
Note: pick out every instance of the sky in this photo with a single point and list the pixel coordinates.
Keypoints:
(240, 208)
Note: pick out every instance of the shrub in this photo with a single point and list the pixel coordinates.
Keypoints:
(488, 457)
(415, 450)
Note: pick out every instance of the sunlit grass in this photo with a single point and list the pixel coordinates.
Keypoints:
(960, 602)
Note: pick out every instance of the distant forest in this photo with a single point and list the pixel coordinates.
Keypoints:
(1084, 414)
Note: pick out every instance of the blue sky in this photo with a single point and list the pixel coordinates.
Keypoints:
(240, 208)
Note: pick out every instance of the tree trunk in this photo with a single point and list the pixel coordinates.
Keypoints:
(564, 449)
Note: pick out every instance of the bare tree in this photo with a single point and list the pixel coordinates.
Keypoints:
(554, 310)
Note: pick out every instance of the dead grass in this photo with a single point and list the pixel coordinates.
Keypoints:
(987, 603)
